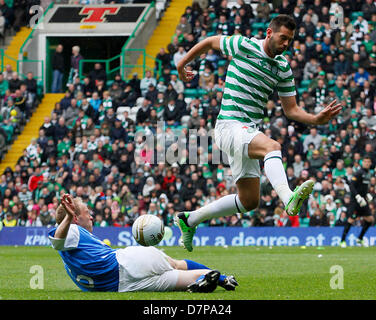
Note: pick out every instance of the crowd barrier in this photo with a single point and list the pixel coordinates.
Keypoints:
(205, 236)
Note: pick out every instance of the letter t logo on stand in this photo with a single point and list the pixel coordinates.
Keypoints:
(97, 14)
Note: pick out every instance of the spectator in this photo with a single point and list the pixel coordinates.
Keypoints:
(316, 161)
(31, 84)
(152, 93)
(282, 219)
(223, 26)
(145, 82)
(171, 113)
(314, 138)
(20, 103)
(188, 42)
(135, 83)
(4, 86)
(148, 187)
(98, 74)
(61, 130)
(184, 26)
(178, 55)
(14, 82)
(361, 76)
(75, 62)
(339, 170)
(118, 132)
(308, 25)
(8, 14)
(318, 219)
(144, 112)
(262, 11)
(25, 195)
(194, 82)
(206, 77)
(361, 23)
(310, 69)
(71, 112)
(48, 127)
(88, 87)
(19, 14)
(8, 73)
(298, 165)
(173, 46)
(164, 57)
(9, 220)
(95, 101)
(177, 84)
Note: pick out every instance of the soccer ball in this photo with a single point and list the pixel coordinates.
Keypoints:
(148, 230)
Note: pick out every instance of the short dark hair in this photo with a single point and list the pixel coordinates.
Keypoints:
(282, 20)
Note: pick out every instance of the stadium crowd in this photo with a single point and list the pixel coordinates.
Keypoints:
(18, 92)
(93, 147)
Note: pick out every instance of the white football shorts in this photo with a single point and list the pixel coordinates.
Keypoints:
(233, 137)
(145, 269)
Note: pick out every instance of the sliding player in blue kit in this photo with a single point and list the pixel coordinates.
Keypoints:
(94, 266)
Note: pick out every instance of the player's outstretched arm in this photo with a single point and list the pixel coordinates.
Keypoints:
(198, 49)
(294, 112)
(63, 228)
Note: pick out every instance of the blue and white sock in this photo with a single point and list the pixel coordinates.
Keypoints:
(221, 279)
(193, 265)
(200, 278)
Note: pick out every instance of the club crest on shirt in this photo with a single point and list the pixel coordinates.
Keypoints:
(275, 70)
(267, 66)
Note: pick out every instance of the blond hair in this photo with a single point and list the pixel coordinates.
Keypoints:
(61, 212)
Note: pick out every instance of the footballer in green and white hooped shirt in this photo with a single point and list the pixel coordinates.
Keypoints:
(257, 67)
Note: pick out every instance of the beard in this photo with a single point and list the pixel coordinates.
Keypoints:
(274, 49)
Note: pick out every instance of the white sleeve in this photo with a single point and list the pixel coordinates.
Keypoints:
(70, 242)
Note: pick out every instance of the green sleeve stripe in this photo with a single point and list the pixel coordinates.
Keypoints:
(233, 53)
(255, 45)
(288, 79)
(286, 89)
(275, 157)
(225, 46)
(240, 47)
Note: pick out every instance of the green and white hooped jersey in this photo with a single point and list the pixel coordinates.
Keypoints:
(251, 78)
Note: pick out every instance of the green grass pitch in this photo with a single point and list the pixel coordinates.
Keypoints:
(265, 273)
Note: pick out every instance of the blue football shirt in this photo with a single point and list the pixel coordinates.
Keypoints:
(90, 263)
